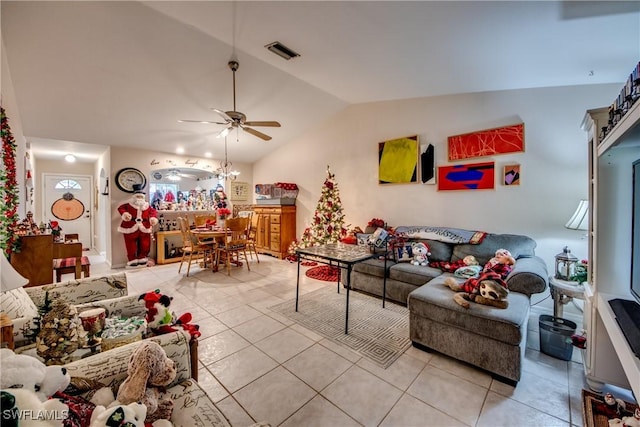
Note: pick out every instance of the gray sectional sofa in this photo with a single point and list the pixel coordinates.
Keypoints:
(491, 338)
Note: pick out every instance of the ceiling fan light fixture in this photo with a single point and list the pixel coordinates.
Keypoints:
(281, 50)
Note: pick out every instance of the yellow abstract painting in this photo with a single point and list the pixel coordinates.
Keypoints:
(398, 160)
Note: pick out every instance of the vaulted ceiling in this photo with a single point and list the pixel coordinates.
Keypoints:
(124, 72)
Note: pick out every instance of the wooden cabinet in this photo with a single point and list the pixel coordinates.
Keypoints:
(276, 229)
(35, 259)
(168, 245)
(608, 357)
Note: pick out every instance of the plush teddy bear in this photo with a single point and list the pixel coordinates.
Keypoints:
(29, 373)
(149, 370)
(131, 415)
(420, 253)
(161, 320)
(502, 263)
(28, 411)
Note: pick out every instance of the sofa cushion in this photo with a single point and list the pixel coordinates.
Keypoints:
(519, 246)
(413, 274)
(373, 267)
(440, 251)
(434, 301)
(16, 304)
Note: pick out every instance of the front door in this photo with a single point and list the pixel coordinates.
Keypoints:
(67, 199)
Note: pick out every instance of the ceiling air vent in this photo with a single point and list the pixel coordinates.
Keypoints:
(281, 50)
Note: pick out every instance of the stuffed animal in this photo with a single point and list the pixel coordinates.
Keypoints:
(29, 373)
(30, 411)
(161, 320)
(149, 370)
(489, 288)
(10, 414)
(502, 263)
(452, 266)
(131, 415)
(420, 253)
(20, 371)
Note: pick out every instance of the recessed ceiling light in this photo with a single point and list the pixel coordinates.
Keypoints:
(207, 154)
(180, 150)
(70, 158)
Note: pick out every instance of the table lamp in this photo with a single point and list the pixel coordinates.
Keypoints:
(9, 277)
(580, 218)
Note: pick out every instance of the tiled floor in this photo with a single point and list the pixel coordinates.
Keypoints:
(259, 366)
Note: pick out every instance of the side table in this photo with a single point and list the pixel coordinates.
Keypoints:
(563, 292)
(7, 331)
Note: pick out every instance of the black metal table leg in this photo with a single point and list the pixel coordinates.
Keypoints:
(298, 283)
(384, 281)
(346, 317)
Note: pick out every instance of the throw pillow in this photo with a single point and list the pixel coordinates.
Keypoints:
(16, 304)
(363, 239)
(403, 253)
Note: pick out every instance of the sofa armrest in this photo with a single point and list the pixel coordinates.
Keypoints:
(529, 276)
(82, 290)
(110, 367)
(127, 306)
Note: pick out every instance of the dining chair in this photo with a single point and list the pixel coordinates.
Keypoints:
(251, 236)
(201, 220)
(191, 247)
(73, 237)
(234, 247)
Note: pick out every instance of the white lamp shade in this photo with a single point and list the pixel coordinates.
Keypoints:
(9, 277)
(580, 218)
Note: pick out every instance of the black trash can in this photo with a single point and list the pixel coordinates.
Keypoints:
(555, 336)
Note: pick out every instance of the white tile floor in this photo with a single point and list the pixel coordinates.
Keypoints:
(260, 366)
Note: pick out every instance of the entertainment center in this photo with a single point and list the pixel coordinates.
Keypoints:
(609, 357)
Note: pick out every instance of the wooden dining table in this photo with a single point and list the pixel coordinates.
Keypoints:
(218, 234)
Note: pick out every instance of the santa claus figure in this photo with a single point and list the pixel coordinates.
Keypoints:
(138, 219)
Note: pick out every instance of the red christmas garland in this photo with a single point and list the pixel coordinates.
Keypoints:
(8, 189)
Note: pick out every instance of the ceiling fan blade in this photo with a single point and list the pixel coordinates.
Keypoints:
(256, 133)
(202, 121)
(272, 124)
(224, 132)
(223, 114)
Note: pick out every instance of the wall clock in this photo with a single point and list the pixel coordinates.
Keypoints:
(126, 178)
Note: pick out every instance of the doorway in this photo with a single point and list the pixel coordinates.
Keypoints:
(68, 200)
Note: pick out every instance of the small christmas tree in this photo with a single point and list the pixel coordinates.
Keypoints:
(36, 323)
(327, 225)
(61, 333)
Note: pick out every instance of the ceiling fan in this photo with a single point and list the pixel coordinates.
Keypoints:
(235, 119)
(175, 175)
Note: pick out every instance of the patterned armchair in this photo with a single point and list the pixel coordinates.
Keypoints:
(109, 292)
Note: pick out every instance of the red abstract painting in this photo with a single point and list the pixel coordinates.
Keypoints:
(507, 139)
(473, 176)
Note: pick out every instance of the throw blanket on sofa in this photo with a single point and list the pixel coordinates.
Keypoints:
(442, 234)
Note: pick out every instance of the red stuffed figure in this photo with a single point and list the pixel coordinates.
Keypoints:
(138, 219)
(161, 320)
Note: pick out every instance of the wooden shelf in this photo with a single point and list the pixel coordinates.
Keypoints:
(628, 123)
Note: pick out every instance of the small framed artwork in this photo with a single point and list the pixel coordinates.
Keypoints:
(398, 161)
(239, 191)
(362, 239)
(472, 176)
(511, 174)
(427, 164)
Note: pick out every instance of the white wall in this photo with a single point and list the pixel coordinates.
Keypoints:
(553, 166)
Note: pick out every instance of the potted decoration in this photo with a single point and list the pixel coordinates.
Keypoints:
(55, 230)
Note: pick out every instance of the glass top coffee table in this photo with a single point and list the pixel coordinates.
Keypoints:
(342, 256)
